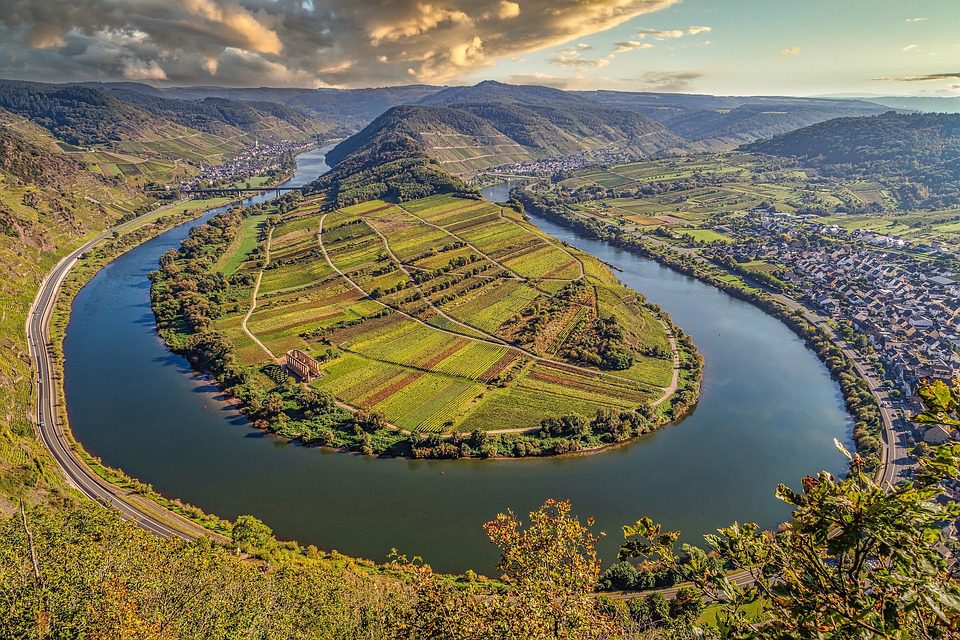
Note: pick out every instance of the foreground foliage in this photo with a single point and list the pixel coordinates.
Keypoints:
(855, 562)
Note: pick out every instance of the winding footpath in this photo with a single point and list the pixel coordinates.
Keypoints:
(493, 340)
(253, 302)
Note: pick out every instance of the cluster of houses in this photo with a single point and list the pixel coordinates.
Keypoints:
(255, 160)
(904, 303)
(564, 165)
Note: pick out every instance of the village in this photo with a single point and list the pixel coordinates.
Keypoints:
(256, 160)
(902, 297)
(565, 165)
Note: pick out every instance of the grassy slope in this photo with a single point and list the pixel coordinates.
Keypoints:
(51, 200)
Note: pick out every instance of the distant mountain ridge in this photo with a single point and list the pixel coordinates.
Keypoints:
(712, 122)
(339, 106)
(918, 153)
(87, 115)
(723, 122)
(926, 104)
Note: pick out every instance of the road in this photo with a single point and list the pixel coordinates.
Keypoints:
(896, 459)
(153, 517)
(253, 302)
(143, 511)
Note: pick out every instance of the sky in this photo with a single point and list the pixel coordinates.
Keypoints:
(732, 47)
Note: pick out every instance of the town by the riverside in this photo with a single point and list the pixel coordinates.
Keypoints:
(893, 292)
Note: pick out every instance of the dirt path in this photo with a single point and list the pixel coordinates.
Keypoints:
(524, 352)
(551, 241)
(675, 378)
(426, 297)
(253, 303)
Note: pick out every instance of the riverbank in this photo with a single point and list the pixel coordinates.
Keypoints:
(755, 425)
(171, 516)
(857, 392)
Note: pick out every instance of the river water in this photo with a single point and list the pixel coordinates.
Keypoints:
(768, 414)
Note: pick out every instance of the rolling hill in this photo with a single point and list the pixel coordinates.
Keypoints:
(85, 116)
(918, 154)
(468, 129)
(723, 122)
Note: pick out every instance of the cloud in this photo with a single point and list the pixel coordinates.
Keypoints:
(139, 70)
(549, 80)
(911, 47)
(630, 45)
(672, 34)
(667, 80)
(572, 57)
(929, 77)
(287, 42)
(920, 19)
(508, 10)
(790, 52)
(661, 35)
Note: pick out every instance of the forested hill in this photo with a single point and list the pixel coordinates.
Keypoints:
(388, 158)
(218, 115)
(468, 129)
(553, 122)
(349, 107)
(725, 121)
(83, 115)
(919, 154)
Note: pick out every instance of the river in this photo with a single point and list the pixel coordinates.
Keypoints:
(768, 413)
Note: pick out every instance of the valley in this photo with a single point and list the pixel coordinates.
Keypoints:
(638, 295)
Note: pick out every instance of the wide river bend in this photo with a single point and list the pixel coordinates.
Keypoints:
(768, 413)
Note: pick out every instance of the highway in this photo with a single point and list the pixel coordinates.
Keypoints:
(144, 512)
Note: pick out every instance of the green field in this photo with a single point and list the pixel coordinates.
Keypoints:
(445, 314)
(701, 197)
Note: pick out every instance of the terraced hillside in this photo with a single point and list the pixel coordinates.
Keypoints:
(468, 129)
(445, 314)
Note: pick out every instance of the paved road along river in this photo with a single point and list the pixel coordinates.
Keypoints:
(768, 414)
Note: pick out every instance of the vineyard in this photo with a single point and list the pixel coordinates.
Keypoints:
(444, 314)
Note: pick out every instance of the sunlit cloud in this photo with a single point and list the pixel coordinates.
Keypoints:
(670, 81)
(661, 35)
(911, 47)
(140, 70)
(281, 42)
(919, 19)
(572, 57)
(673, 34)
(630, 45)
(928, 77)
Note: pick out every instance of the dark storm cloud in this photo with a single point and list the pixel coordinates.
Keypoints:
(288, 42)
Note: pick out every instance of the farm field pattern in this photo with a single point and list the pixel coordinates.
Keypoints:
(445, 314)
(732, 183)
